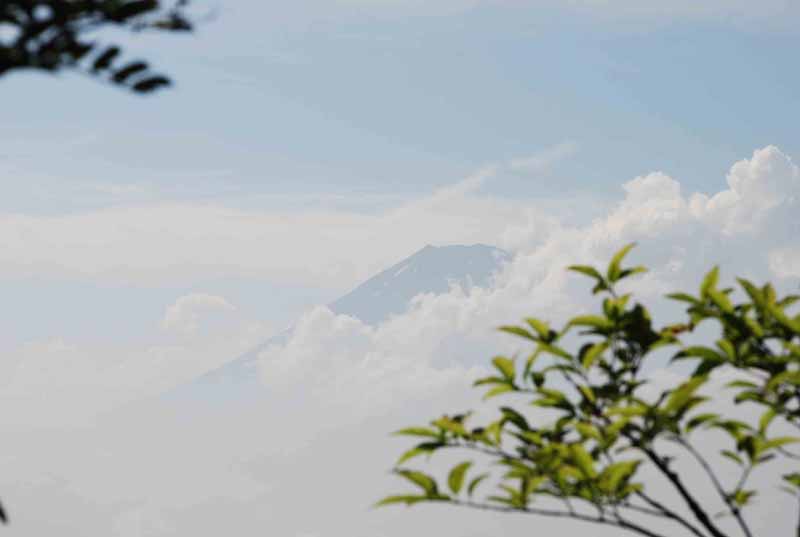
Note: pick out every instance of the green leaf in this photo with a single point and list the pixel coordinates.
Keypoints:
(683, 297)
(595, 321)
(766, 419)
(616, 474)
(587, 270)
(417, 431)
(518, 331)
(498, 390)
(425, 482)
(682, 396)
(422, 449)
(793, 478)
(614, 270)
(780, 442)
(583, 460)
(455, 479)
(741, 497)
(541, 327)
(505, 366)
(406, 499)
(732, 456)
(593, 353)
(701, 352)
(475, 482)
(555, 351)
(587, 430)
(727, 347)
(700, 420)
(709, 282)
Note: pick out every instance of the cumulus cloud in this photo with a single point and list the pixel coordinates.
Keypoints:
(185, 314)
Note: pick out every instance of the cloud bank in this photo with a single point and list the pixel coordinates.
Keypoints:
(308, 456)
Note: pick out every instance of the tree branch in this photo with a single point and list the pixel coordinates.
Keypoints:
(669, 513)
(621, 523)
(698, 512)
(735, 511)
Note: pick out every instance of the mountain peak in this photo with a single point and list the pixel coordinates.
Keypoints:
(433, 269)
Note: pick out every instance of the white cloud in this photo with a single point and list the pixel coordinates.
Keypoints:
(183, 244)
(311, 454)
(184, 316)
(542, 161)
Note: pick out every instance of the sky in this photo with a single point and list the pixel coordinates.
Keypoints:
(304, 148)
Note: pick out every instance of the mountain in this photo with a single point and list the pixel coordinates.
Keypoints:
(430, 270)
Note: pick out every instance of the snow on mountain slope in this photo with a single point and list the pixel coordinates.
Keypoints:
(430, 270)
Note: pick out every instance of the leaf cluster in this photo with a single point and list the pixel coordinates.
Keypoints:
(54, 35)
(589, 458)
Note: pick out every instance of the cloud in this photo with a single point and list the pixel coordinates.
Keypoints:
(162, 244)
(310, 453)
(185, 314)
(542, 161)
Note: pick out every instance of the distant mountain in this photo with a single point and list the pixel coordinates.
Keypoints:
(430, 270)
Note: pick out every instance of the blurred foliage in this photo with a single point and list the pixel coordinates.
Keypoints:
(588, 464)
(54, 35)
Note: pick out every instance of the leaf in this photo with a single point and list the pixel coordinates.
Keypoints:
(151, 84)
(727, 347)
(780, 442)
(406, 499)
(741, 497)
(425, 482)
(541, 327)
(121, 75)
(619, 472)
(417, 431)
(587, 430)
(682, 395)
(475, 482)
(683, 297)
(593, 353)
(614, 270)
(586, 270)
(518, 331)
(555, 351)
(505, 366)
(595, 321)
(766, 419)
(709, 282)
(455, 479)
(732, 456)
(583, 460)
(498, 390)
(421, 449)
(700, 420)
(793, 478)
(104, 60)
(698, 351)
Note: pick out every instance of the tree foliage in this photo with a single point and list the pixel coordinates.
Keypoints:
(54, 35)
(589, 463)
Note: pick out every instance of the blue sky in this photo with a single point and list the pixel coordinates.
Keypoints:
(365, 105)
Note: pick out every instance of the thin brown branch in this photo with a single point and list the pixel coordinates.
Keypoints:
(735, 511)
(621, 523)
(669, 513)
(693, 505)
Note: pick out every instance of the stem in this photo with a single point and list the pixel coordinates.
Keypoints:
(619, 522)
(698, 512)
(667, 512)
(735, 511)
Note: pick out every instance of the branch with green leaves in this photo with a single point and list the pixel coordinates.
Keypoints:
(587, 462)
(56, 35)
